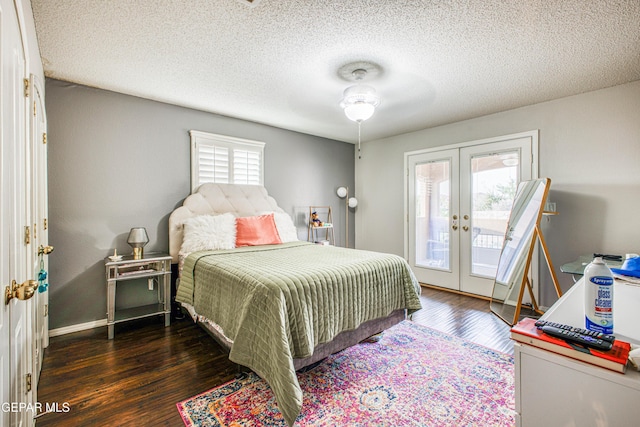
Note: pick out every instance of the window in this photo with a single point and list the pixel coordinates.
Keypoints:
(224, 159)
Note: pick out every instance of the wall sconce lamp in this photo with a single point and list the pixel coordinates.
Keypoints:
(349, 202)
(137, 239)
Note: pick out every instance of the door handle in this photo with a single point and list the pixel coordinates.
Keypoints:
(455, 227)
(45, 250)
(465, 228)
(23, 292)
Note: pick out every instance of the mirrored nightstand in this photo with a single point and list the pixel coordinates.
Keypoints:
(156, 268)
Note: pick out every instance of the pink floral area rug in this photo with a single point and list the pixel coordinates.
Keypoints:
(412, 376)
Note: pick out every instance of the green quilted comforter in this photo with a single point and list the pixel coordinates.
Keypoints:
(277, 302)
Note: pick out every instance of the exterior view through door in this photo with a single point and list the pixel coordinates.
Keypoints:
(458, 200)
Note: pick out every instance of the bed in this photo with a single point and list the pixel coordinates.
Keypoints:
(275, 303)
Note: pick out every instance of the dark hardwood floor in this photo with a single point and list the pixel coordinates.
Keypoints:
(465, 317)
(137, 378)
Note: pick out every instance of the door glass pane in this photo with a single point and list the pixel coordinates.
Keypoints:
(433, 204)
(493, 186)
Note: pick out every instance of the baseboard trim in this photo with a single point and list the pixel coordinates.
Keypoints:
(454, 291)
(77, 328)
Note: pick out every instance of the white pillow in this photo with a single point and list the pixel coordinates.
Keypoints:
(286, 229)
(208, 232)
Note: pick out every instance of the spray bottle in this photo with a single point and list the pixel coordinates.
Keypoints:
(598, 308)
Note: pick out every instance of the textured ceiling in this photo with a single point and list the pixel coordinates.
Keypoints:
(277, 61)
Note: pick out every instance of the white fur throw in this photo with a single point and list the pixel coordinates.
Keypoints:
(209, 232)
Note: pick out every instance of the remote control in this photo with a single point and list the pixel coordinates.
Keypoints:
(594, 334)
(584, 340)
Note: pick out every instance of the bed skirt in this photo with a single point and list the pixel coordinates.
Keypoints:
(343, 340)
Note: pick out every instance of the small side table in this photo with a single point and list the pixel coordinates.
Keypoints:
(153, 266)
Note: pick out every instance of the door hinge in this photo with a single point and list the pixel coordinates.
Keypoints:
(35, 109)
(45, 223)
(46, 310)
(27, 235)
(44, 138)
(26, 88)
(35, 231)
(28, 381)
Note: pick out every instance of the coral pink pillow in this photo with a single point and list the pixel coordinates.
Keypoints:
(256, 230)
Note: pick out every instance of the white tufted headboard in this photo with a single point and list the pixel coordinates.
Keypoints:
(240, 200)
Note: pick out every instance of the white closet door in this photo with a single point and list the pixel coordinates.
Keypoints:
(39, 212)
(15, 227)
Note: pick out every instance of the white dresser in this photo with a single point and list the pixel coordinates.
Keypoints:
(554, 390)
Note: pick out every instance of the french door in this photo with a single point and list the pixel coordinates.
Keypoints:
(458, 204)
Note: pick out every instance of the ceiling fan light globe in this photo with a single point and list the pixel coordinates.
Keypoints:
(359, 112)
(359, 102)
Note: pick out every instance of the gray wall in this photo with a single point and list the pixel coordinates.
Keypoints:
(589, 147)
(117, 161)
(98, 190)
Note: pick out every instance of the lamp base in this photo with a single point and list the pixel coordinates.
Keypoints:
(137, 253)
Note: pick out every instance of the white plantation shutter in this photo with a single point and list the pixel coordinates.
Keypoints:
(246, 167)
(224, 159)
(213, 164)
